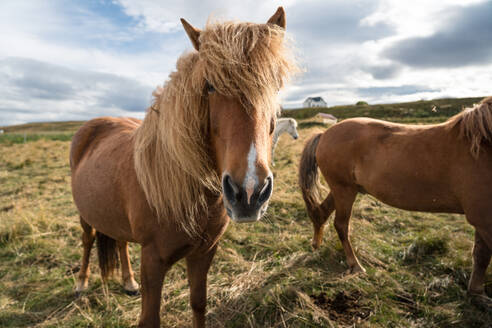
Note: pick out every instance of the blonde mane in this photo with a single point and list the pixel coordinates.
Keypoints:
(172, 153)
(475, 123)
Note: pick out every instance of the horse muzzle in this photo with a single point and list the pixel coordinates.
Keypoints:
(246, 206)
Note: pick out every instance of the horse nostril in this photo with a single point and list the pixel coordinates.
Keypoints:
(231, 190)
(266, 191)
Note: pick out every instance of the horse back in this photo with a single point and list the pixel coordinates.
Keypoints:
(350, 142)
(413, 167)
(93, 132)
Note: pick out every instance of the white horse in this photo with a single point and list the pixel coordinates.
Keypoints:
(284, 125)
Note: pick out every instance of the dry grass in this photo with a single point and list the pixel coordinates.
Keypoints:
(264, 274)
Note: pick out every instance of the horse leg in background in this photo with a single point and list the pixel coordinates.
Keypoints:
(88, 237)
(344, 200)
(319, 217)
(152, 272)
(481, 260)
(197, 267)
(129, 283)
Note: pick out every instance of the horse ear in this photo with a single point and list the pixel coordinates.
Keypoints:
(193, 33)
(278, 18)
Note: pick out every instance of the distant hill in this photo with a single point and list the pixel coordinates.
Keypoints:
(44, 127)
(62, 131)
(410, 112)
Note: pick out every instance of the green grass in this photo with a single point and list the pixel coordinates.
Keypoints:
(411, 112)
(15, 138)
(56, 131)
(264, 275)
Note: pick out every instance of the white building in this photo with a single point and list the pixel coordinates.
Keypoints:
(314, 102)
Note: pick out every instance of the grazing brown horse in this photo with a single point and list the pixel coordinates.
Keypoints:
(202, 150)
(433, 168)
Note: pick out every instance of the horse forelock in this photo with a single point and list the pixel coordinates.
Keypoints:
(247, 61)
(475, 124)
(173, 161)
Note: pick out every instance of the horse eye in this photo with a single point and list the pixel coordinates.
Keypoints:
(272, 125)
(210, 88)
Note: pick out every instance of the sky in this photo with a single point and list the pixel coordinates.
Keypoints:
(74, 60)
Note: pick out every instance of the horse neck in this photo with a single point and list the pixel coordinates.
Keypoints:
(282, 127)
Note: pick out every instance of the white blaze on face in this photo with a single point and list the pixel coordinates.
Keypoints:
(251, 179)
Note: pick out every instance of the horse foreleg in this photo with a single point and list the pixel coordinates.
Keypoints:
(129, 283)
(319, 219)
(481, 260)
(88, 237)
(153, 270)
(344, 199)
(197, 267)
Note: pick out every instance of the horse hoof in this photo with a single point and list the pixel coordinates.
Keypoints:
(132, 292)
(357, 269)
(482, 301)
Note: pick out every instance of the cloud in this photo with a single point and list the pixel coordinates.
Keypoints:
(322, 24)
(393, 90)
(163, 16)
(383, 72)
(331, 37)
(303, 92)
(78, 60)
(465, 39)
(44, 90)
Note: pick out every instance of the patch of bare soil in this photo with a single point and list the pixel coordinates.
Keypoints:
(6, 208)
(344, 308)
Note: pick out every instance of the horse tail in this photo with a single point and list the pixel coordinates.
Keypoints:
(107, 254)
(309, 181)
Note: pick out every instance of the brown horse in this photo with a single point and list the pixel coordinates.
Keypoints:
(434, 168)
(202, 149)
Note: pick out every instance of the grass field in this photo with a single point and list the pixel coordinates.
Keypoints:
(61, 131)
(264, 275)
(411, 112)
